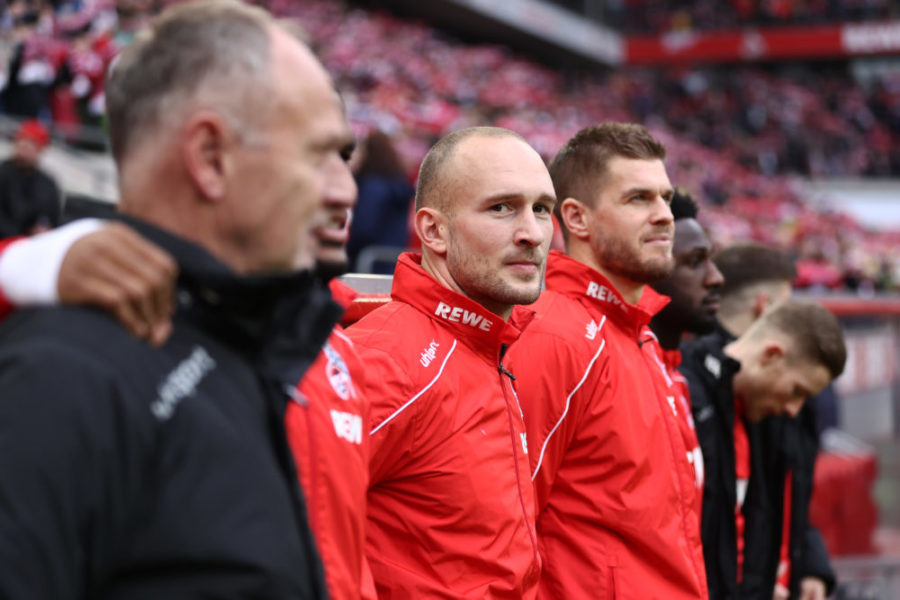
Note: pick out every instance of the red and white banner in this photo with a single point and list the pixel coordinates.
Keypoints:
(825, 41)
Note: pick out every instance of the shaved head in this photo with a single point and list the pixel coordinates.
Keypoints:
(435, 176)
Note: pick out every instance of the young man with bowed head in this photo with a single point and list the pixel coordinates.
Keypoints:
(788, 354)
(780, 460)
(149, 472)
(612, 466)
(451, 504)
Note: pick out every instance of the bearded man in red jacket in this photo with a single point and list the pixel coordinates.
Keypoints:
(450, 503)
(611, 460)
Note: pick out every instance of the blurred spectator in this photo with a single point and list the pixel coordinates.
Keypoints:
(381, 217)
(29, 198)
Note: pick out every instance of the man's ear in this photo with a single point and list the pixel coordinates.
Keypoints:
(772, 351)
(205, 148)
(431, 227)
(575, 217)
(761, 302)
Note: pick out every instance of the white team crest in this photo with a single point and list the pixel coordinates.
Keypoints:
(337, 373)
(591, 330)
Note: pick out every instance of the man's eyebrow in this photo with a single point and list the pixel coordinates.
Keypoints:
(647, 191)
(515, 196)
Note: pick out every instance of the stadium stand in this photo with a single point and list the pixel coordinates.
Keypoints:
(739, 135)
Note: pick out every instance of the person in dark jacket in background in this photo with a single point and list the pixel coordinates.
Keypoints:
(757, 277)
(148, 473)
(693, 288)
(30, 201)
(381, 216)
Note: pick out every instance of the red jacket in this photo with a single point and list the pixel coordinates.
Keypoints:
(615, 489)
(672, 360)
(6, 306)
(327, 428)
(451, 505)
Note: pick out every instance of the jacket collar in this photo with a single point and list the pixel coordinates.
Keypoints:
(280, 322)
(482, 330)
(671, 358)
(577, 280)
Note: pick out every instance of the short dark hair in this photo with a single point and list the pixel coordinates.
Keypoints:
(683, 205)
(188, 49)
(430, 185)
(743, 265)
(815, 333)
(582, 162)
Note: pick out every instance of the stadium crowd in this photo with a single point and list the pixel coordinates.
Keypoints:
(739, 134)
(514, 423)
(661, 16)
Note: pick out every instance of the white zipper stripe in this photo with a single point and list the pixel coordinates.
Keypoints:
(569, 399)
(422, 391)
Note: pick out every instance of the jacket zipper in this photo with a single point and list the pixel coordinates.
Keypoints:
(515, 444)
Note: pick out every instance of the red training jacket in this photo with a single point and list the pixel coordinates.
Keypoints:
(614, 486)
(6, 306)
(451, 506)
(672, 360)
(328, 431)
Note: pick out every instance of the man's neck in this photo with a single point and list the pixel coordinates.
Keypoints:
(437, 268)
(736, 325)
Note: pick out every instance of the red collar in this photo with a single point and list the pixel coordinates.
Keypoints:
(577, 280)
(342, 293)
(464, 318)
(672, 358)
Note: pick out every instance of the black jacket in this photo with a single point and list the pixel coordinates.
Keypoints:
(776, 445)
(28, 198)
(133, 472)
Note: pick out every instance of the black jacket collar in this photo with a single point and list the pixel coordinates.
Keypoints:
(280, 322)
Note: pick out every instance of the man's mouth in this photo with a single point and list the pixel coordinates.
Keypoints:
(336, 228)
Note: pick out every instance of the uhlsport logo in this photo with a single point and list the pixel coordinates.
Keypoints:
(337, 373)
(601, 292)
(461, 315)
(182, 382)
(429, 353)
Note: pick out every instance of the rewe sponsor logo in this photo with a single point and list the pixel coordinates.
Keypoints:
(460, 315)
(601, 292)
(429, 353)
(347, 426)
(181, 382)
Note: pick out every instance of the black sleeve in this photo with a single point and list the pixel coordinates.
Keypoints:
(56, 450)
(816, 562)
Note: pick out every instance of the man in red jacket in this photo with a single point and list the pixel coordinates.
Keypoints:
(451, 505)
(611, 464)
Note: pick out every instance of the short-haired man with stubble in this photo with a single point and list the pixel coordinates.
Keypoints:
(613, 471)
(791, 352)
(450, 504)
(147, 472)
(790, 558)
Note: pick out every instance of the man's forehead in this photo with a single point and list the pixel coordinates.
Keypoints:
(690, 236)
(637, 172)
